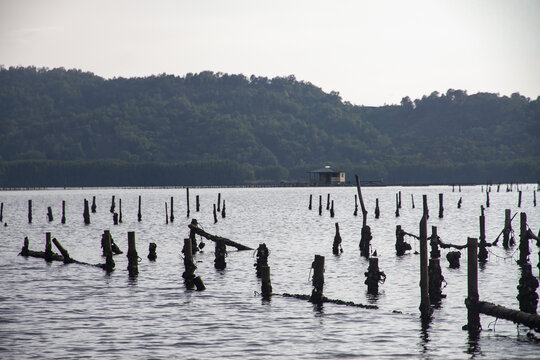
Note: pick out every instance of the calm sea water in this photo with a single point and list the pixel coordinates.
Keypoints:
(56, 311)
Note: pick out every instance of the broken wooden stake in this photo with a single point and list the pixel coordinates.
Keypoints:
(172, 209)
(262, 259)
(152, 256)
(29, 211)
(219, 202)
(63, 220)
(266, 285)
(441, 207)
(332, 209)
(187, 201)
(453, 259)
(119, 210)
(336, 246)
(320, 204)
(113, 205)
(94, 207)
(106, 244)
(223, 215)
(374, 276)
(86, 213)
(215, 214)
(377, 210)
(65, 254)
(208, 236)
(310, 201)
(49, 214)
(139, 214)
(133, 257)
(318, 279)
(220, 254)
(425, 306)
(401, 246)
(197, 203)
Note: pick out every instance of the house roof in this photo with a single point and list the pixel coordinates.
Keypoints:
(325, 169)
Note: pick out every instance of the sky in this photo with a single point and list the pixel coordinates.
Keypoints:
(371, 52)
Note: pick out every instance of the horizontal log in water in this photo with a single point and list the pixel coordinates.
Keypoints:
(218, 238)
(516, 316)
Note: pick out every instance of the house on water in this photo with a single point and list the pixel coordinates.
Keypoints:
(326, 176)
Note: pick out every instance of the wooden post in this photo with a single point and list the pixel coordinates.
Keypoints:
(401, 246)
(487, 199)
(425, 206)
(412, 200)
(534, 201)
(120, 210)
(519, 199)
(507, 228)
(152, 256)
(187, 199)
(328, 202)
(189, 266)
(459, 203)
(336, 246)
(364, 211)
(473, 315)
(220, 253)
(215, 214)
(397, 206)
(94, 207)
(107, 251)
(48, 247)
(310, 200)
(453, 187)
(523, 240)
(377, 209)
(133, 258)
(172, 208)
(219, 202)
(365, 236)
(63, 212)
(1, 212)
(29, 211)
(373, 276)
(320, 205)
(49, 214)
(197, 203)
(399, 199)
(425, 306)
(86, 213)
(262, 259)
(355, 205)
(332, 209)
(435, 274)
(482, 251)
(434, 242)
(115, 218)
(266, 286)
(459, 187)
(139, 214)
(318, 280)
(441, 207)
(223, 210)
(166, 214)
(113, 205)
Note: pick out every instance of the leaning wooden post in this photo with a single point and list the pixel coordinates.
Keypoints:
(166, 214)
(63, 212)
(366, 230)
(266, 286)
(94, 207)
(49, 214)
(507, 228)
(328, 202)
(320, 204)
(355, 205)
(139, 214)
(107, 251)
(425, 306)
(310, 200)
(441, 208)
(48, 247)
(412, 201)
(187, 199)
(65, 254)
(172, 209)
(133, 258)
(197, 203)
(523, 240)
(1, 212)
(318, 280)
(29, 211)
(215, 214)
(473, 315)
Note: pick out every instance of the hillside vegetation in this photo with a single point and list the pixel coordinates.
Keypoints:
(67, 127)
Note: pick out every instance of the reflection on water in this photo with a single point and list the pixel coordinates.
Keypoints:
(52, 310)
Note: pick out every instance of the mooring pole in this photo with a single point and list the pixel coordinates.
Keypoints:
(441, 207)
(29, 211)
(132, 256)
(172, 209)
(523, 240)
(318, 279)
(63, 212)
(48, 247)
(425, 205)
(320, 204)
(266, 286)
(219, 202)
(197, 203)
(473, 315)
(377, 209)
(107, 251)
(310, 199)
(187, 199)
(425, 306)
(94, 207)
(139, 214)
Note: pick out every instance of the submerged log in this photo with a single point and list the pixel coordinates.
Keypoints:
(215, 238)
(501, 312)
(333, 301)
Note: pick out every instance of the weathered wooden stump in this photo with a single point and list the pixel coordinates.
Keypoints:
(48, 247)
(397, 206)
(527, 296)
(63, 220)
(133, 257)
(365, 240)
(320, 205)
(336, 246)
(219, 202)
(332, 209)
(120, 210)
(115, 218)
(262, 258)
(113, 205)
(377, 209)
(328, 202)
(425, 206)
(507, 228)
(94, 207)
(317, 280)
(473, 315)
(459, 203)
(197, 203)
(86, 213)
(412, 201)
(223, 215)
(50, 214)
(401, 246)
(215, 214)
(453, 259)
(425, 305)
(64, 252)
(355, 205)
(139, 213)
(482, 250)
(220, 254)
(374, 276)
(106, 244)
(519, 198)
(152, 255)
(166, 214)
(441, 207)
(523, 240)
(266, 285)
(310, 201)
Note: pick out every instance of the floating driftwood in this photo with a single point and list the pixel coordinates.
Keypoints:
(215, 238)
(327, 300)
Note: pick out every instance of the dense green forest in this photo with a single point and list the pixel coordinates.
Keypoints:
(72, 128)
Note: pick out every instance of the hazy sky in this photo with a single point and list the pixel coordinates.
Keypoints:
(371, 52)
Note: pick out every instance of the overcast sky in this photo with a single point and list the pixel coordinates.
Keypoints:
(371, 52)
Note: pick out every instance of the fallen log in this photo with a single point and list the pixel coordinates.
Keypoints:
(327, 300)
(215, 238)
(516, 316)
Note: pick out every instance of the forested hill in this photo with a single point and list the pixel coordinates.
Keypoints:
(61, 127)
